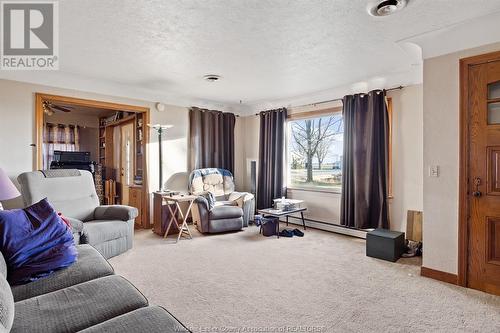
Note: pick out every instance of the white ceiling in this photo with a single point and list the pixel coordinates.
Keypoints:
(267, 52)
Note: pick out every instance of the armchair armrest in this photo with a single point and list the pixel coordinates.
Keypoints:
(203, 202)
(201, 210)
(76, 225)
(115, 212)
(246, 201)
(240, 197)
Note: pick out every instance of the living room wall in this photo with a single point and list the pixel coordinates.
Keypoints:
(441, 147)
(407, 161)
(17, 132)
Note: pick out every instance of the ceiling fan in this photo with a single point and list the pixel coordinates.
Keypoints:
(50, 108)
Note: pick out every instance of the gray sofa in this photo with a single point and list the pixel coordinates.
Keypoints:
(110, 229)
(85, 297)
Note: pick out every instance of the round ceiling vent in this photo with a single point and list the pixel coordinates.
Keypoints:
(212, 77)
(387, 7)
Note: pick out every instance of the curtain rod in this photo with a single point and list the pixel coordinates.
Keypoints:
(336, 99)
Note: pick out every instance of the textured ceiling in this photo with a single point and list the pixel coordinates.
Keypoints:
(264, 50)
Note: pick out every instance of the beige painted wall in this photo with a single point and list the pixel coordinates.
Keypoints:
(407, 161)
(407, 150)
(441, 147)
(17, 132)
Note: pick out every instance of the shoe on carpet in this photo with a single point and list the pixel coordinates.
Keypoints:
(298, 233)
(286, 233)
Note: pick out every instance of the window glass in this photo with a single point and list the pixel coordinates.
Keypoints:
(315, 151)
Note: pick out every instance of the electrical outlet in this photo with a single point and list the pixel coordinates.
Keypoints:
(434, 171)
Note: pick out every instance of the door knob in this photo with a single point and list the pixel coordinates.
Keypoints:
(477, 193)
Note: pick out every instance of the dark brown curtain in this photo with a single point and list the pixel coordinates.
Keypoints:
(365, 160)
(272, 142)
(211, 139)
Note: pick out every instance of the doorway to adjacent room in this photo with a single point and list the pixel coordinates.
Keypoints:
(107, 139)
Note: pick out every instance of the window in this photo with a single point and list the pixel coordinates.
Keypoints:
(315, 151)
(59, 137)
(315, 145)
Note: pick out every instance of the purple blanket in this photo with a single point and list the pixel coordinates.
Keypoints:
(35, 242)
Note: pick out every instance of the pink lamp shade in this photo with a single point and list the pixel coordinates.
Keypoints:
(7, 189)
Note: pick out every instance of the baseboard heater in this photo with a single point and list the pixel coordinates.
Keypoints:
(339, 229)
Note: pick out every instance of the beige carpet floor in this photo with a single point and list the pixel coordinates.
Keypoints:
(244, 282)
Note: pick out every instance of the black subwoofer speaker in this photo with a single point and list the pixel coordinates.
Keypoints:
(385, 244)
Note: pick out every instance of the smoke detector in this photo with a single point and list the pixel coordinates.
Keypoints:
(212, 77)
(386, 7)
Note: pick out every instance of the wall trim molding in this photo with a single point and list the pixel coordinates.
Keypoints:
(439, 275)
(320, 225)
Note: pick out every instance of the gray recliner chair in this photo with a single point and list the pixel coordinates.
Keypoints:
(220, 183)
(214, 219)
(110, 229)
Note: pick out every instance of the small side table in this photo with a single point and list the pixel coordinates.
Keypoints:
(183, 227)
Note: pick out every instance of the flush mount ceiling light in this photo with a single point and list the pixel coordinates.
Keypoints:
(212, 77)
(386, 7)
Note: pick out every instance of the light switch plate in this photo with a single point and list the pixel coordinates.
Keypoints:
(434, 171)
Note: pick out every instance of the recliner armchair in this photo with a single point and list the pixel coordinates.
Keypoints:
(220, 183)
(216, 219)
(110, 229)
(224, 212)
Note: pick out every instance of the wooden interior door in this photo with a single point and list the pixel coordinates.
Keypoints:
(483, 270)
(127, 147)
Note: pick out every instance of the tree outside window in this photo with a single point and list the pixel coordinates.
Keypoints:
(315, 151)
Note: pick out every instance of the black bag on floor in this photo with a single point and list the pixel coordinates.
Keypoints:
(269, 226)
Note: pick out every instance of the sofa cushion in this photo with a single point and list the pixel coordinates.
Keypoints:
(225, 212)
(100, 231)
(6, 305)
(35, 241)
(74, 196)
(78, 307)
(151, 319)
(226, 203)
(90, 265)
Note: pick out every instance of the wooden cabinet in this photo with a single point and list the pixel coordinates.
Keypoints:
(136, 200)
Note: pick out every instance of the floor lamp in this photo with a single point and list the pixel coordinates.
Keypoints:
(160, 129)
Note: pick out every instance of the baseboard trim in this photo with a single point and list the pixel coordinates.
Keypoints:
(439, 275)
(338, 229)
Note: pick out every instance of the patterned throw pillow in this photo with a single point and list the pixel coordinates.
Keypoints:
(35, 242)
